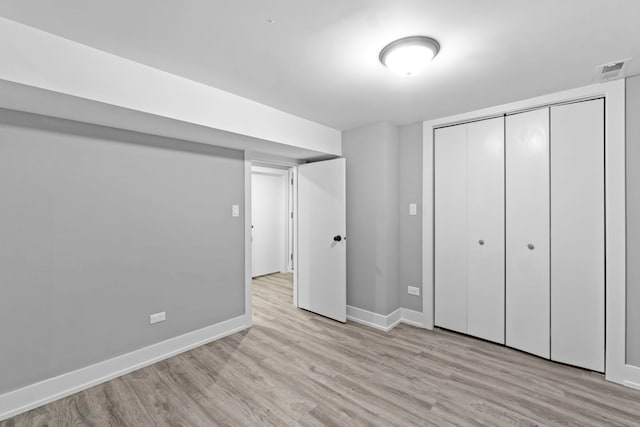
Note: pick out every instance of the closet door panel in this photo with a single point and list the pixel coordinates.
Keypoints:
(577, 234)
(527, 232)
(450, 196)
(485, 219)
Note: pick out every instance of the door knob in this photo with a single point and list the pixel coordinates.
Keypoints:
(481, 242)
(531, 247)
(337, 238)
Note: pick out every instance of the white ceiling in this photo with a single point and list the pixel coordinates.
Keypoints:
(319, 59)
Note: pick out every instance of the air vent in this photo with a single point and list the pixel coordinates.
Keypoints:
(611, 71)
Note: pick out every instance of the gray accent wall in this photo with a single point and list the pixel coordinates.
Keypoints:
(633, 220)
(384, 254)
(410, 226)
(99, 228)
(373, 265)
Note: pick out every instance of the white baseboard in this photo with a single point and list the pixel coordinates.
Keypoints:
(369, 318)
(631, 384)
(38, 394)
(382, 322)
(413, 318)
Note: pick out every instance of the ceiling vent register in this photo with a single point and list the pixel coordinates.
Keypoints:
(611, 71)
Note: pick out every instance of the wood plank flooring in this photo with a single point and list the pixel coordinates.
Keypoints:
(295, 368)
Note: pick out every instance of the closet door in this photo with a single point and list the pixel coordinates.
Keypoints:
(527, 232)
(450, 197)
(577, 234)
(485, 222)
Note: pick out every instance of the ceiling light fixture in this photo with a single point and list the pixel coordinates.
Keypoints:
(410, 55)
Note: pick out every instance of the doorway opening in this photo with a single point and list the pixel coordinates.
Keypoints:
(313, 243)
(273, 229)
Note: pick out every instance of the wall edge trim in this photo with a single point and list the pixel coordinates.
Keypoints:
(384, 322)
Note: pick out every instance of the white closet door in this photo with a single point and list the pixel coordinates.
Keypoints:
(527, 232)
(577, 234)
(485, 221)
(451, 228)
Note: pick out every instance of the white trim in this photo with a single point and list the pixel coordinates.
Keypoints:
(294, 228)
(248, 253)
(38, 394)
(382, 322)
(631, 384)
(286, 221)
(99, 77)
(374, 320)
(261, 161)
(413, 318)
(427, 225)
(267, 170)
(290, 220)
(616, 368)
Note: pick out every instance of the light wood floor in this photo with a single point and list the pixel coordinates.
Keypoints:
(296, 368)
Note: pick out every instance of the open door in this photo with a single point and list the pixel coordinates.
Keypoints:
(322, 252)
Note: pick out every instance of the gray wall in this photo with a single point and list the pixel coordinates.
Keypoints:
(410, 226)
(372, 217)
(633, 220)
(100, 228)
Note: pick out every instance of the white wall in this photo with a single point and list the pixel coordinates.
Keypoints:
(269, 220)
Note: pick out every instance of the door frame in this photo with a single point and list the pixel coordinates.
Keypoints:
(285, 263)
(616, 369)
(251, 159)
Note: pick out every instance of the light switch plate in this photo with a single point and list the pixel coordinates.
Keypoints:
(413, 209)
(235, 210)
(413, 290)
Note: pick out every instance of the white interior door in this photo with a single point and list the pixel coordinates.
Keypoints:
(485, 225)
(268, 219)
(577, 234)
(527, 232)
(322, 263)
(450, 201)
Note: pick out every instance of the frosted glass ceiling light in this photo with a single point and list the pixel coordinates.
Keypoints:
(410, 55)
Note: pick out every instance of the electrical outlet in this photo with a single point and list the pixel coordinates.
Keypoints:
(157, 317)
(413, 290)
(413, 209)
